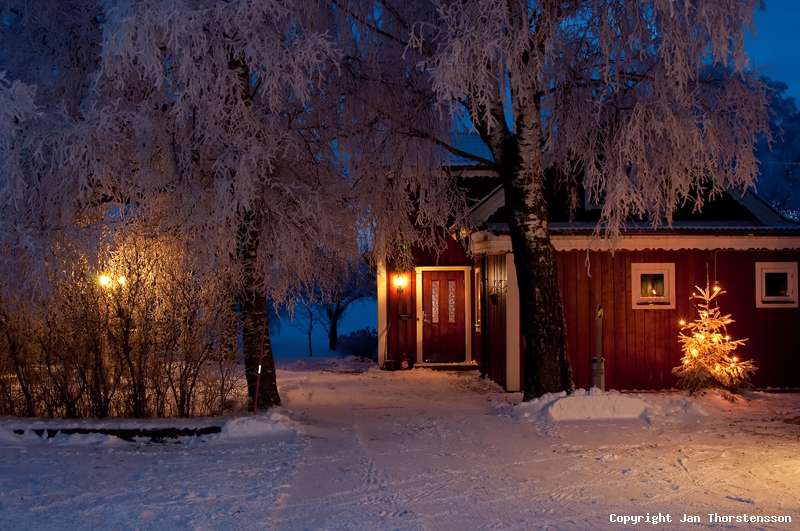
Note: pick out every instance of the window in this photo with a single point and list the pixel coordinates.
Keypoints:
(776, 284)
(653, 286)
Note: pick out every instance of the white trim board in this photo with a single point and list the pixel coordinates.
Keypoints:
(485, 242)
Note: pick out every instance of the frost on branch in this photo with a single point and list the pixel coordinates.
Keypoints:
(239, 123)
(646, 105)
(709, 358)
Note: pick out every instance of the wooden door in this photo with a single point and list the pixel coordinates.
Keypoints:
(443, 324)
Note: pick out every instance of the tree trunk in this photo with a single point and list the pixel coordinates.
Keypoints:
(254, 313)
(546, 362)
(333, 333)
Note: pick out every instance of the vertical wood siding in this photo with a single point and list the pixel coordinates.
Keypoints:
(495, 326)
(402, 335)
(641, 346)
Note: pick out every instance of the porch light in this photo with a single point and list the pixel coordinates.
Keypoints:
(400, 282)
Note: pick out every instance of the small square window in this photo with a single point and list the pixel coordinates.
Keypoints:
(653, 286)
(776, 284)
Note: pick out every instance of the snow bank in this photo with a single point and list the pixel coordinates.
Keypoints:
(604, 406)
(333, 364)
(601, 405)
(272, 422)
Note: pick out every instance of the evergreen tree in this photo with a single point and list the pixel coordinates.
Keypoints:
(709, 358)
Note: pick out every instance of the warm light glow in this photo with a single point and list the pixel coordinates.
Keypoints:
(686, 362)
(735, 359)
(694, 352)
(122, 281)
(727, 338)
(716, 288)
(105, 280)
(400, 282)
(682, 322)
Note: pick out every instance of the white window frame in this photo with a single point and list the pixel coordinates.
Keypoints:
(787, 301)
(667, 302)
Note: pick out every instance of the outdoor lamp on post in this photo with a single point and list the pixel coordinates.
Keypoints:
(106, 281)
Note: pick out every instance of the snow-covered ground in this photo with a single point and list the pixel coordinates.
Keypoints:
(357, 448)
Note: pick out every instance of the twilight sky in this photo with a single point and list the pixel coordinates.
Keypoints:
(776, 48)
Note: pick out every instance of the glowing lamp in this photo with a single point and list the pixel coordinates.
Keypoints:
(400, 283)
(122, 280)
(105, 280)
(682, 322)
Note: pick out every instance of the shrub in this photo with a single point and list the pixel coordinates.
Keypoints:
(361, 343)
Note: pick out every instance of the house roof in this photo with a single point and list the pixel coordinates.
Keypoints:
(468, 143)
(743, 217)
(729, 213)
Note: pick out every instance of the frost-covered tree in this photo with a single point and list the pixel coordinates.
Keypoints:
(619, 98)
(235, 123)
(780, 171)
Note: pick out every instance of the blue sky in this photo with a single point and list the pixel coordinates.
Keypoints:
(776, 45)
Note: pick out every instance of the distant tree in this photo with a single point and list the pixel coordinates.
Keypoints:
(614, 97)
(779, 183)
(305, 316)
(356, 283)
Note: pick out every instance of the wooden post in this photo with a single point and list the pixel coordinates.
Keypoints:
(599, 376)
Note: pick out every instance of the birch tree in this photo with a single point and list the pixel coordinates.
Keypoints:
(623, 99)
(223, 121)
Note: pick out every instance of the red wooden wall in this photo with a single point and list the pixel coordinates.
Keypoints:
(495, 326)
(641, 346)
(402, 335)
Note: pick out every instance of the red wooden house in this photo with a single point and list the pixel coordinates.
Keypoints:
(461, 309)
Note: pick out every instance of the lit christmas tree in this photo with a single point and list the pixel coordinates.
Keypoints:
(708, 351)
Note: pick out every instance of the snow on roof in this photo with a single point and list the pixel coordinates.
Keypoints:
(470, 143)
(767, 219)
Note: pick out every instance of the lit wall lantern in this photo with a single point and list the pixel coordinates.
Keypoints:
(400, 282)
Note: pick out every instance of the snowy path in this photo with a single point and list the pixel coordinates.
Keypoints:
(425, 450)
(419, 450)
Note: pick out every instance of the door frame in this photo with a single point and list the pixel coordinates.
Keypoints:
(467, 310)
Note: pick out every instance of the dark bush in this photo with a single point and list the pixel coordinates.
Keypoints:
(361, 343)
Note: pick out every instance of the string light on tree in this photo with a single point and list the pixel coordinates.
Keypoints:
(708, 351)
